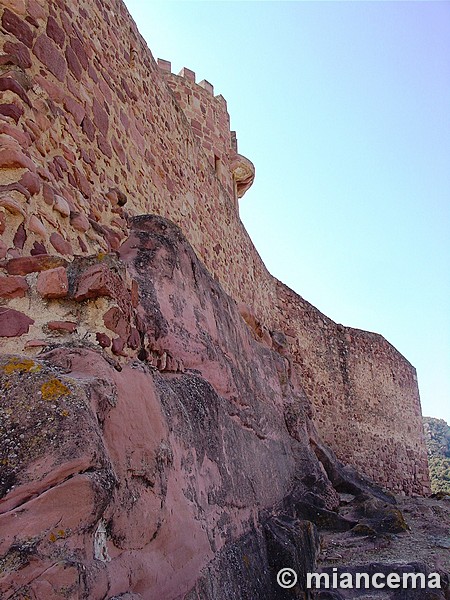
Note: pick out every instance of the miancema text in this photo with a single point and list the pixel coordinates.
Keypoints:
(358, 581)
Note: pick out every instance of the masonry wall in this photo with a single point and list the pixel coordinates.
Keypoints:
(364, 393)
(93, 132)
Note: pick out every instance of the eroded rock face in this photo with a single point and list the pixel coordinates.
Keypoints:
(181, 462)
(130, 477)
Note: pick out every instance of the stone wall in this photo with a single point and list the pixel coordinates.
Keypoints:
(364, 393)
(92, 133)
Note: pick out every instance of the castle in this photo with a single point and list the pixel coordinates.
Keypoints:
(93, 132)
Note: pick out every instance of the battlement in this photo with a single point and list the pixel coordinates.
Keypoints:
(210, 122)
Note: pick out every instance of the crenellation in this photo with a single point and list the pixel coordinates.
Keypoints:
(207, 86)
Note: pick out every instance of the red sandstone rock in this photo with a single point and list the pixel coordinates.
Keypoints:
(31, 182)
(13, 287)
(33, 264)
(118, 344)
(60, 244)
(11, 84)
(12, 205)
(17, 27)
(20, 136)
(13, 323)
(36, 226)
(2, 222)
(73, 63)
(62, 326)
(115, 320)
(75, 109)
(55, 32)
(49, 194)
(103, 339)
(12, 159)
(53, 283)
(20, 237)
(49, 55)
(61, 205)
(37, 249)
(79, 221)
(11, 110)
(99, 280)
(18, 53)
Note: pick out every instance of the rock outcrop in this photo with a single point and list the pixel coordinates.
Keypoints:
(181, 462)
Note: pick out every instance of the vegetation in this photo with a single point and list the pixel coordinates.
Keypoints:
(437, 437)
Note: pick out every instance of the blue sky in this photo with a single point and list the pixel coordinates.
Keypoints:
(344, 108)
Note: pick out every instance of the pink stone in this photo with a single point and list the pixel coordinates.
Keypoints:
(32, 264)
(62, 326)
(36, 226)
(75, 109)
(11, 110)
(73, 63)
(103, 339)
(31, 182)
(61, 205)
(49, 194)
(38, 249)
(13, 131)
(79, 221)
(13, 323)
(13, 286)
(53, 283)
(55, 32)
(36, 343)
(20, 237)
(49, 55)
(101, 118)
(117, 346)
(18, 27)
(60, 244)
(115, 320)
(13, 159)
(19, 52)
(134, 339)
(11, 84)
(96, 281)
(54, 90)
(12, 205)
(80, 52)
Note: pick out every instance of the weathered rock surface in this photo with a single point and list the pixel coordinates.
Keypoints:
(184, 466)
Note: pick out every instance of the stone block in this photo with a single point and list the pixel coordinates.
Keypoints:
(13, 323)
(11, 158)
(18, 27)
(49, 55)
(62, 326)
(13, 286)
(53, 283)
(55, 32)
(60, 244)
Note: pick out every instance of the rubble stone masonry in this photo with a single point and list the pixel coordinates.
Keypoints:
(93, 132)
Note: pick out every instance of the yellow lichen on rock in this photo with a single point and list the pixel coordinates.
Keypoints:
(54, 389)
(23, 365)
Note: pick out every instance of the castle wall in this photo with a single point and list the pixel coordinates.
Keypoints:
(364, 393)
(93, 132)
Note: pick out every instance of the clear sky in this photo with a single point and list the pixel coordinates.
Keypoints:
(344, 108)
